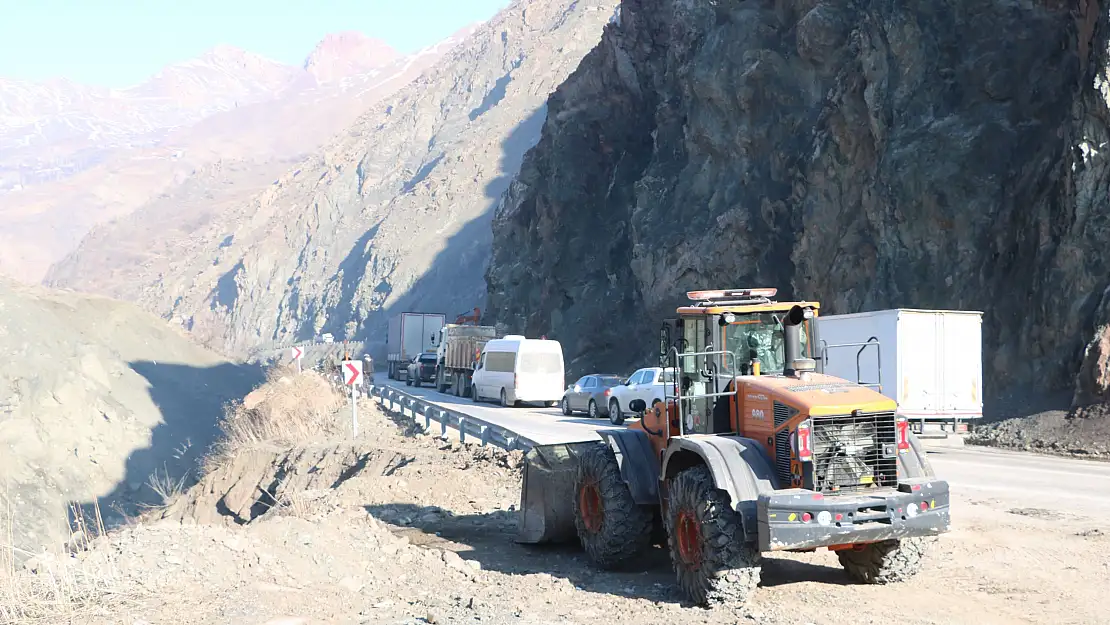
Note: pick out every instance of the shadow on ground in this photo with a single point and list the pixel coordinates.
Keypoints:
(488, 538)
(192, 402)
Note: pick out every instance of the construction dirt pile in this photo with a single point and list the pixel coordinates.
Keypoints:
(98, 401)
(399, 527)
(1081, 432)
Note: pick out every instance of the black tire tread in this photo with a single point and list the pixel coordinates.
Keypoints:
(885, 562)
(731, 571)
(626, 529)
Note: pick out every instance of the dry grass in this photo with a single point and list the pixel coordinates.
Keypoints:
(56, 587)
(287, 410)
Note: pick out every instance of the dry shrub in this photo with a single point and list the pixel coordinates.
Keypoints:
(289, 409)
(56, 587)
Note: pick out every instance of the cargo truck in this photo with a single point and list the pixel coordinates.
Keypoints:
(411, 333)
(459, 349)
(929, 361)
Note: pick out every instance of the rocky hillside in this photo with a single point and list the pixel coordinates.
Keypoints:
(393, 215)
(73, 158)
(98, 400)
(935, 153)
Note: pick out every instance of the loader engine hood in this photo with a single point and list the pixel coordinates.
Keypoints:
(819, 394)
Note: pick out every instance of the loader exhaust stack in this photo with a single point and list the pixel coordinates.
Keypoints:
(792, 342)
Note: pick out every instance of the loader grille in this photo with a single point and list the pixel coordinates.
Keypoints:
(783, 413)
(854, 452)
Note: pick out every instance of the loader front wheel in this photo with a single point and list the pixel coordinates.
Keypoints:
(884, 562)
(612, 527)
(711, 559)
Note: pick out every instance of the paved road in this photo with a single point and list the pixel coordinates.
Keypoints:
(542, 425)
(1020, 479)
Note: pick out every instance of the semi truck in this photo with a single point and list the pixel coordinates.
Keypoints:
(929, 361)
(410, 334)
(457, 355)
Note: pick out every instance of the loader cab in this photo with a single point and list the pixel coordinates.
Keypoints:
(720, 336)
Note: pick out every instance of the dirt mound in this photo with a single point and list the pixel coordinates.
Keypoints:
(1082, 432)
(257, 480)
(96, 397)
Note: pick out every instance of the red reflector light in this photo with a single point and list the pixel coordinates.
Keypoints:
(903, 427)
(805, 454)
(839, 517)
(806, 518)
(818, 496)
(915, 487)
(924, 505)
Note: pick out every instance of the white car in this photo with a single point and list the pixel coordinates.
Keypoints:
(649, 384)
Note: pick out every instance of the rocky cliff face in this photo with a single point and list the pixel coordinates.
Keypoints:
(394, 213)
(926, 153)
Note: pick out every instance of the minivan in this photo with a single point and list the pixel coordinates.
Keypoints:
(516, 369)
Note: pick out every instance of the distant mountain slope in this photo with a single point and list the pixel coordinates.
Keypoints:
(393, 214)
(72, 157)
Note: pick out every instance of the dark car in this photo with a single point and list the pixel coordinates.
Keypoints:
(421, 369)
(590, 394)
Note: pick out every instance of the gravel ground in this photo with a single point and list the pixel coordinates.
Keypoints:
(429, 539)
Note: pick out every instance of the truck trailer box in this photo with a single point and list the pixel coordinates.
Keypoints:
(411, 333)
(462, 344)
(929, 361)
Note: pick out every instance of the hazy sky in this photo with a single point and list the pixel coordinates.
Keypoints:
(121, 42)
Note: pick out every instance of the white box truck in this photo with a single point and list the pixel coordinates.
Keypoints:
(929, 361)
(410, 334)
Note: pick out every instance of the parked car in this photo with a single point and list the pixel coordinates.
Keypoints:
(421, 369)
(648, 384)
(517, 369)
(590, 394)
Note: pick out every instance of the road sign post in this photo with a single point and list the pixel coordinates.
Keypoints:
(298, 353)
(352, 377)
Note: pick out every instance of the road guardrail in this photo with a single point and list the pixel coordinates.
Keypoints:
(467, 426)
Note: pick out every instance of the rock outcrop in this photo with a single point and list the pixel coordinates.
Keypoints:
(394, 213)
(875, 154)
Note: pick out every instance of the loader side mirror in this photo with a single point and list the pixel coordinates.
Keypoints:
(637, 405)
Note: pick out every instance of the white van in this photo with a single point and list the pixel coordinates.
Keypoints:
(516, 369)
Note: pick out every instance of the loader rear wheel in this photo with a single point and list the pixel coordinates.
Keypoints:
(711, 559)
(885, 562)
(612, 527)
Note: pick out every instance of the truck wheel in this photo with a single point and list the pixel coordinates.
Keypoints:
(884, 562)
(713, 563)
(441, 381)
(611, 526)
(616, 417)
(504, 399)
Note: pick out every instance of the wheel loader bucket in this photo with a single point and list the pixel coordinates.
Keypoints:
(547, 493)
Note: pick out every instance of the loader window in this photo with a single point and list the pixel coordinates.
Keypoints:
(761, 334)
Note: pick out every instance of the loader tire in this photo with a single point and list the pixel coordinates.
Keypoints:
(713, 563)
(612, 527)
(885, 562)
